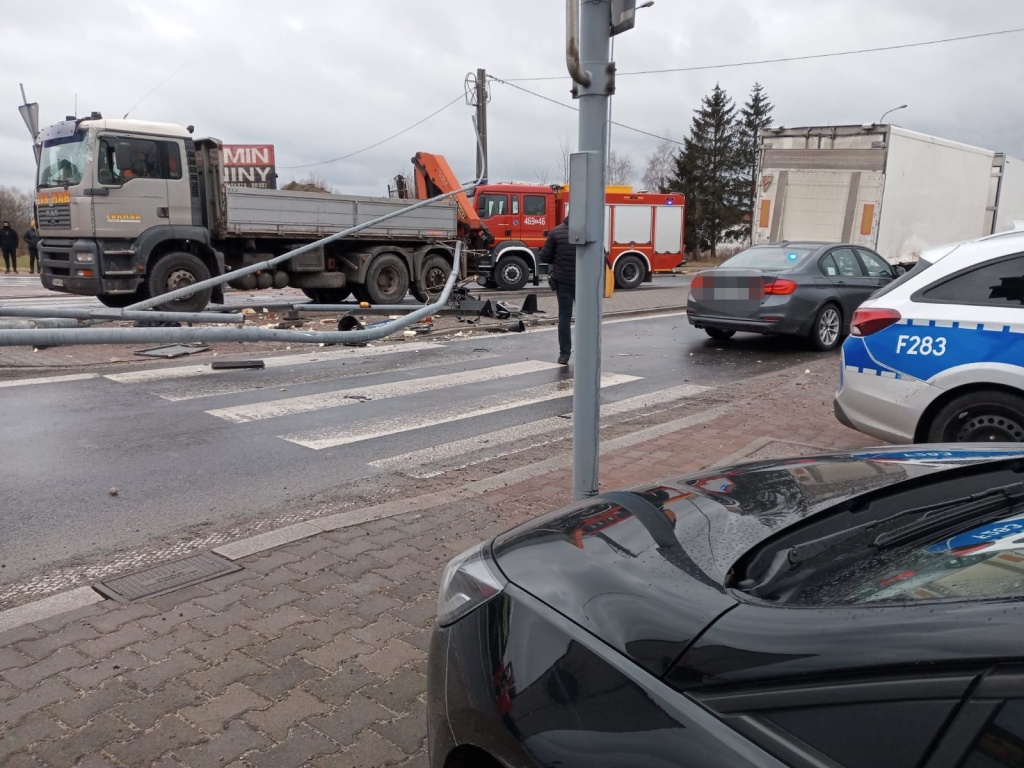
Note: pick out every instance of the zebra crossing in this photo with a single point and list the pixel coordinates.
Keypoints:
(411, 396)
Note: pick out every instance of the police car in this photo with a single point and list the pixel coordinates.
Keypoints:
(937, 356)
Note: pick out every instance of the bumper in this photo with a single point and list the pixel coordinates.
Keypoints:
(881, 406)
(784, 326)
(103, 275)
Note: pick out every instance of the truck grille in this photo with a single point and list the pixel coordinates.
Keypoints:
(54, 216)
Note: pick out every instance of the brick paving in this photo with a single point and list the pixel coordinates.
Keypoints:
(315, 653)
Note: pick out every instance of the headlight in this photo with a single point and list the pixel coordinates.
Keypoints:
(84, 257)
(469, 581)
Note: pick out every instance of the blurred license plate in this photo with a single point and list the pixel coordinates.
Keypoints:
(57, 281)
(730, 295)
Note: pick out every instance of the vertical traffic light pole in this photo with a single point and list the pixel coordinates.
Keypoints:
(588, 37)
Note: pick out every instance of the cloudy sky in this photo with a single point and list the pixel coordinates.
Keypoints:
(324, 79)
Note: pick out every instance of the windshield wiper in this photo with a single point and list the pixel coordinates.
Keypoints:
(978, 505)
(937, 517)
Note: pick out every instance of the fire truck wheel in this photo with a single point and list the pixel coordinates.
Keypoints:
(387, 279)
(180, 270)
(327, 295)
(629, 272)
(511, 273)
(433, 276)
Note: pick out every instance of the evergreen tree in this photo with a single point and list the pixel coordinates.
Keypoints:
(755, 116)
(709, 172)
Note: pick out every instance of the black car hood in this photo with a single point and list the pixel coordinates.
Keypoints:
(645, 569)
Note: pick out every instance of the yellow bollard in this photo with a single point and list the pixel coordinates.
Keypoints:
(609, 281)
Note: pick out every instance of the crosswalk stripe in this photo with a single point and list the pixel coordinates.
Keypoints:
(220, 387)
(319, 439)
(49, 380)
(304, 404)
(188, 371)
(438, 460)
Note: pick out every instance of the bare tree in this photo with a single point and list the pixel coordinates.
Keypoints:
(311, 183)
(564, 151)
(620, 169)
(542, 176)
(659, 166)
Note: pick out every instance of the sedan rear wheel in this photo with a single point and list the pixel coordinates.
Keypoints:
(827, 328)
(719, 334)
(989, 416)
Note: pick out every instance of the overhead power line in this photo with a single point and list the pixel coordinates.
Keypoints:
(435, 113)
(574, 109)
(705, 67)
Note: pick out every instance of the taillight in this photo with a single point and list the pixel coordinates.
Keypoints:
(868, 321)
(780, 287)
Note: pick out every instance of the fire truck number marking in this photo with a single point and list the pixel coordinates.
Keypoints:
(535, 220)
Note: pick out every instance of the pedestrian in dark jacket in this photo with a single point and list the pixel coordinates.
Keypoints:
(561, 254)
(9, 246)
(32, 241)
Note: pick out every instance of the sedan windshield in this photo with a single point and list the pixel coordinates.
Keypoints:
(62, 161)
(774, 257)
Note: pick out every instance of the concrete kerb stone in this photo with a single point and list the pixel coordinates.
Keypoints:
(49, 607)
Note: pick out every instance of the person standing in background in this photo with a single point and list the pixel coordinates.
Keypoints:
(561, 254)
(31, 237)
(9, 246)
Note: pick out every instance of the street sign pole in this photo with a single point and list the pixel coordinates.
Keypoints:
(588, 38)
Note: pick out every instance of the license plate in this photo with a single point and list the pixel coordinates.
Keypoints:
(57, 281)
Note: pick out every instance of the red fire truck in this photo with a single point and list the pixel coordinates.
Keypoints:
(643, 231)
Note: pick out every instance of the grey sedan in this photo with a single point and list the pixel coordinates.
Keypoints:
(797, 289)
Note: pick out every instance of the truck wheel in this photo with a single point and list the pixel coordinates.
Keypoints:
(179, 270)
(327, 295)
(387, 279)
(511, 273)
(122, 300)
(433, 276)
(980, 417)
(629, 272)
(827, 329)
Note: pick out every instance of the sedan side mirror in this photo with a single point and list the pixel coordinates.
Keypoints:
(899, 271)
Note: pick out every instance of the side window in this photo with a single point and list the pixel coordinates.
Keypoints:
(875, 265)
(828, 266)
(847, 262)
(489, 205)
(1001, 742)
(122, 159)
(535, 205)
(515, 205)
(999, 284)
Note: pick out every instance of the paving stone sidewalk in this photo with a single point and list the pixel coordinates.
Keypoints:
(314, 654)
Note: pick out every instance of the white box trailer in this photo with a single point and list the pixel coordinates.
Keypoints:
(888, 188)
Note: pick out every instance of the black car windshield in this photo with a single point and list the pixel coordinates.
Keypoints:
(966, 542)
(774, 257)
(62, 161)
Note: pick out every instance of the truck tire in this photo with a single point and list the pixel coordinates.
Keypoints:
(387, 279)
(433, 276)
(511, 273)
(629, 272)
(327, 295)
(177, 270)
(122, 300)
(989, 415)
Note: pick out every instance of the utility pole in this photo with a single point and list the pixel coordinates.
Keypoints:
(478, 94)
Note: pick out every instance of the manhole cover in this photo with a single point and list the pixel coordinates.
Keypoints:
(166, 577)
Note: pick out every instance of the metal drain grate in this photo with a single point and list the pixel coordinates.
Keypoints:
(166, 577)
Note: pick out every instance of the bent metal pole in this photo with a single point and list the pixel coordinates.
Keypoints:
(55, 337)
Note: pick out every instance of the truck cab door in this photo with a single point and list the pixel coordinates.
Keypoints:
(131, 192)
(537, 219)
(494, 210)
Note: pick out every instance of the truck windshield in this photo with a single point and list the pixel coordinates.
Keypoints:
(62, 161)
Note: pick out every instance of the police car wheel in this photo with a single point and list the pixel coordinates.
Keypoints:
(980, 417)
(827, 328)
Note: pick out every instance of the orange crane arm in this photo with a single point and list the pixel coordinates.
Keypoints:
(434, 177)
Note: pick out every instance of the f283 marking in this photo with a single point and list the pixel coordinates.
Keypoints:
(921, 345)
